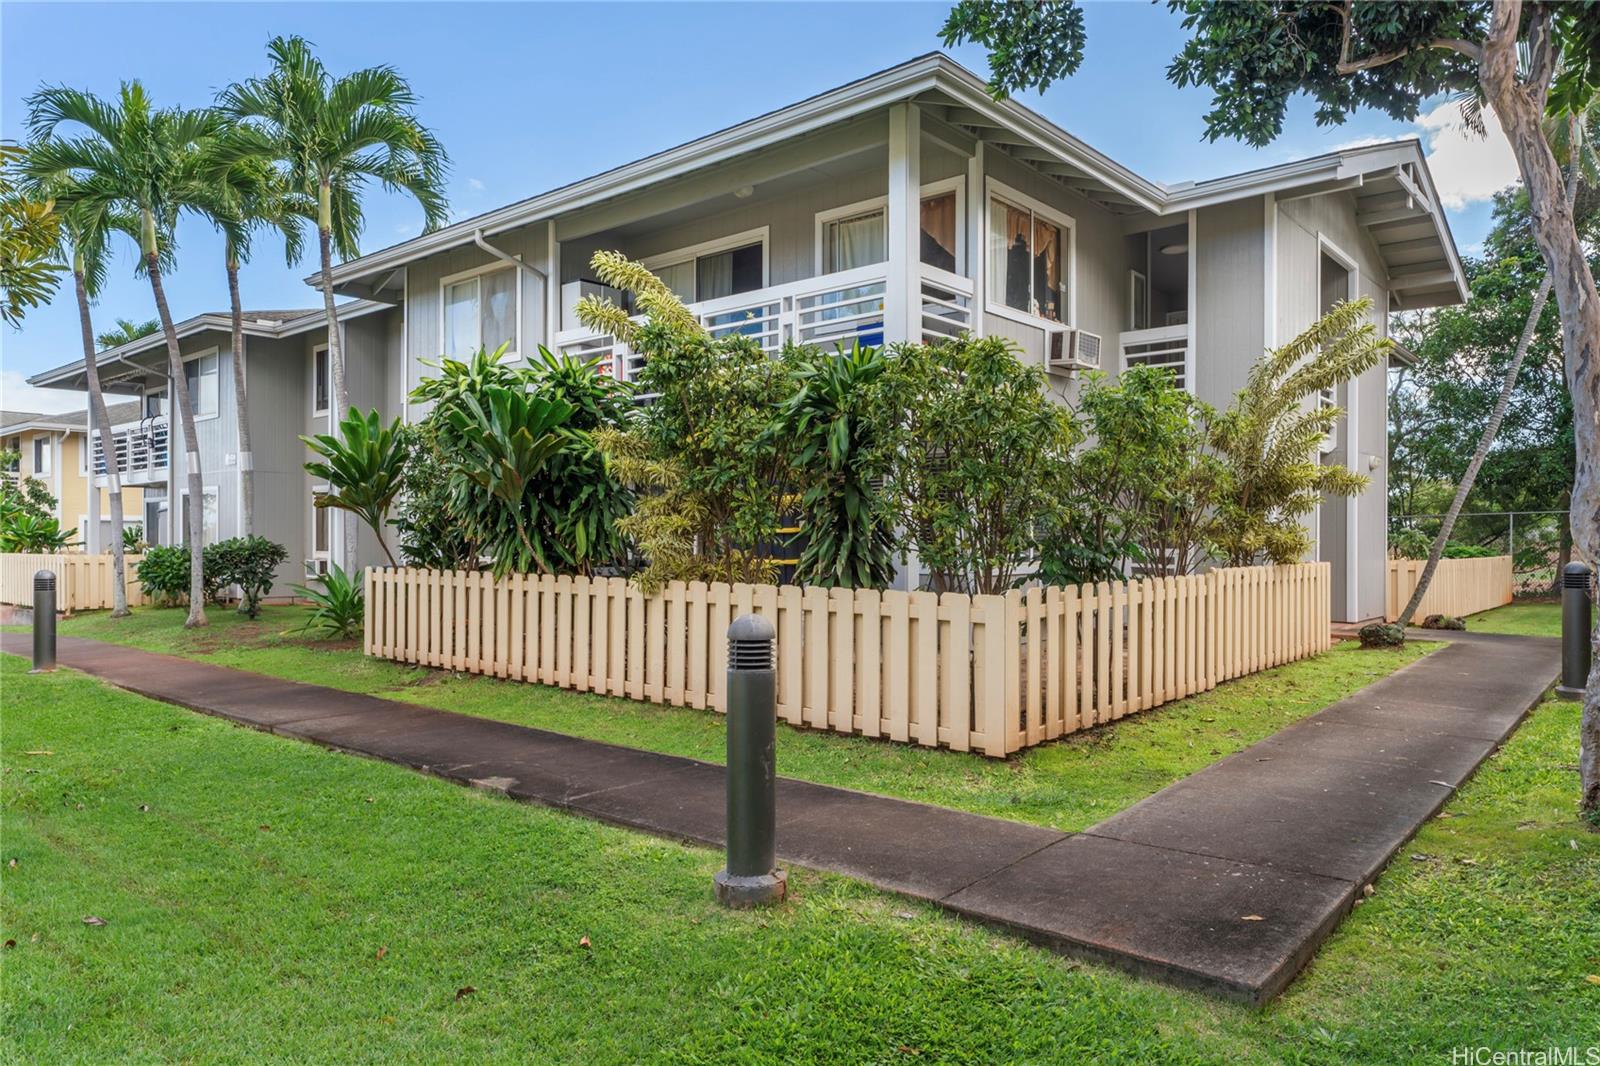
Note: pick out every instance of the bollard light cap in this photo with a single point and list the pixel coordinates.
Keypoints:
(750, 640)
(44, 580)
(751, 627)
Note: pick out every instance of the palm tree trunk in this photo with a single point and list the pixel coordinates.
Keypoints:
(341, 394)
(247, 497)
(1507, 387)
(191, 443)
(102, 426)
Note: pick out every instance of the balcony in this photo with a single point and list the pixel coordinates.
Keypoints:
(1165, 346)
(141, 451)
(828, 311)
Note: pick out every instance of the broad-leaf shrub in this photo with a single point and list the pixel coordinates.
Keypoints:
(251, 563)
(362, 466)
(337, 608)
(164, 574)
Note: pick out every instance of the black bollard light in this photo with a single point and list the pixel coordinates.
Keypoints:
(44, 622)
(751, 877)
(1577, 627)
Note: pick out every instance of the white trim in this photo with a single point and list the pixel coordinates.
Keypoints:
(320, 412)
(311, 544)
(760, 235)
(993, 189)
(478, 272)
(1191, 316)
(976, 246)
(194, 357)
(1269, 271)
(552, 287)
(1138, 276)
(405, 347)
(956, 184)
(1352, 412)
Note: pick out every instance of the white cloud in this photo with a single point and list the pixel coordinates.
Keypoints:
(17, 395)
(474, 184)
(1466, 168)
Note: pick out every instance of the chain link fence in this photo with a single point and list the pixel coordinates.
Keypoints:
(1533, 539)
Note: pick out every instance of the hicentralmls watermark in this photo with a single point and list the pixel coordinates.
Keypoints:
(1545, 1056)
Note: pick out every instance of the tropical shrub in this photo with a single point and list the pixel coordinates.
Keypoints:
(712, 480)
(1456, 550)
(28, 493)
(506, 441)
(251, 563)
(977, 456)
(337, 608)
(363, 467)
(164, 574)
(828, 425)
(430, 532)
(133, 538)
(1269, 437)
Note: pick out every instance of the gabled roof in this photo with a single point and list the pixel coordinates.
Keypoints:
(272, 324)
(960, 99)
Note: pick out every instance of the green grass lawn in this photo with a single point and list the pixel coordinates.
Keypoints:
(1068, 785)
(266, 899)
(1519, 619)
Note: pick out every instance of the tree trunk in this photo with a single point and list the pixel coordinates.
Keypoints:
(247, 497)
(102, 426)
(191, 447)
(1520, 108)
(341, 395)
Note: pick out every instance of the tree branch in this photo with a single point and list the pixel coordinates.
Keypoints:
(1347, 65)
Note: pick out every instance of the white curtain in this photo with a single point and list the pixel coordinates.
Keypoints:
(856, 242)
(714, 276)
(461, 318)
(679, 277)
(497, 298)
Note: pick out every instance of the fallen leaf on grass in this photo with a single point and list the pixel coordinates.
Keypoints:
(1367, 890)
(39, 751)
(1468, 862)
(144, 806)
(13, 862)
(264, 827)
(583, 941)
(1252, 918)
(382, 952)
(907, 915)
(89, 919)
(1593, 979)
(464, 991)
(10, 943)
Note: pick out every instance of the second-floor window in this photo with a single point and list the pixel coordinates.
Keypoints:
(41, 455)
(1029, 259)
(201, 375)
(481, 311)
(713, 274)
(322, 387)
(857, 235)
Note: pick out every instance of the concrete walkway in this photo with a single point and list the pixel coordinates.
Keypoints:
(1227, 880)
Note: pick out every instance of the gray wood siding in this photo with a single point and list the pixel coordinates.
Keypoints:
(278, 393)
(1229, 316)
(216, 438)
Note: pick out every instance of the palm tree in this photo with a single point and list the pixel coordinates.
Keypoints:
(29, 229)
(330, 137)
(240, 194)
(134, 158)
(126, 331)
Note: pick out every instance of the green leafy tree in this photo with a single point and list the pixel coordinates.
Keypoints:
(1269, 438)
(29, 271)
(431, 534)
(126, 331)
(329, 138)
(250, 563)
(131, 159)
(364, 466)
(711, 480)
(828, 424)
(978, 459)
(1393, 56)
(23, 528)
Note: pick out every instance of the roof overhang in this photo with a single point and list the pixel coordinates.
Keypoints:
(40, 426)
(73, 376)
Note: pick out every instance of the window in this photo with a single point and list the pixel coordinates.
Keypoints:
(857, 235)
(201, 375)
(155, 404)
(322, 383)
(1029, 260)
(13, 451)
(482, 311)
(208, 517)
(1138, 301)
(41, 455)
(1336, 282)
(695, 276)
(320, 517)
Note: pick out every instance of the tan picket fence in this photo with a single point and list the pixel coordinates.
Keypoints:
(1459, 586)
(83, 582)
(993, 674)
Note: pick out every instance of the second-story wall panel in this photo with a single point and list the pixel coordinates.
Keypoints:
(1230, 284)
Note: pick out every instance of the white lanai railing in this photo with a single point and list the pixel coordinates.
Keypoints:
(141, 448)
(828, 311)
(1165, 346)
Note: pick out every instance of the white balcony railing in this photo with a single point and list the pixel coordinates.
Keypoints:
(828, 311)
(1165, 346)
(141, 448)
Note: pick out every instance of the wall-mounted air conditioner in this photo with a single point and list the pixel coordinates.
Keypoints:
(316, 568)
(573, 291)
(1067, 350)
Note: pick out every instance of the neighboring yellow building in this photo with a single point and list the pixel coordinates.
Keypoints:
(55, 450)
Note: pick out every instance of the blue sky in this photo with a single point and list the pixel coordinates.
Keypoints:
(527, 96)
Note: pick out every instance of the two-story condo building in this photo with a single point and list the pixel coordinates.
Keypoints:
(907, 205)
(53, 449)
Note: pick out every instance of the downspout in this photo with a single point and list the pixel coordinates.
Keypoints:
(477, 238)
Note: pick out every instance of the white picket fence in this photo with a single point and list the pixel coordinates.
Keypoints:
(83, 582)
(1459, 586)
(993, 674)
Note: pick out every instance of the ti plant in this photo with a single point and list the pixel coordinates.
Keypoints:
(337, 608)
(363, 466)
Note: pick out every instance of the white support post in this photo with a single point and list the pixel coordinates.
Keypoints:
(903, 292)
(977, 246)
